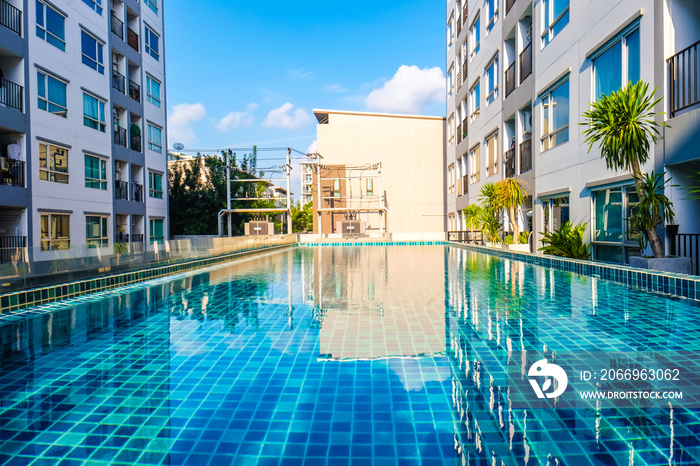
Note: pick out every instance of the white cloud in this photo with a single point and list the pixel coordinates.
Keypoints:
(284, 118)
(313, 147)
(411, 90)
(234, 120)
(180, 122)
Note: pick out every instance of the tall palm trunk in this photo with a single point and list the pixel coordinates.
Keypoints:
(653, 238)
(513, 223)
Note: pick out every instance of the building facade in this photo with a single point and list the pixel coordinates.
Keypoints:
(306, 193)
(82, 126)
(382, 170)
(520, 75)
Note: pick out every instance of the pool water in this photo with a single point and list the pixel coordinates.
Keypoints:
(334, 355)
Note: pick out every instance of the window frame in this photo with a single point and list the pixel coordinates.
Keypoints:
(147, 43)
(475, 36)
(96, 183)
(151, 143)
(101, 241)
(492, 154)
(549, 23)
(475, 100)
(546, 139)
(101, 121)
(475, 164)
(152, 4)
(46, 99)
(149, 96)
(46, 238)
(629, 245)
(49, 172)
(493, 93)
(154, 239)
(42, 28)
(451, 178)
(494, 16)
(152, 185)
(622, 37)
(99, 66)
(95, 5)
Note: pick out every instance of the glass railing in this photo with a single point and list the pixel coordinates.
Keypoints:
(134, 91)
(526, 62)
(118, 81)
(117, 26)
(526, 155)
(120, 136)
(133, 39)
(510, 79)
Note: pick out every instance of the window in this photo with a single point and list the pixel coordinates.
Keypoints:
(52, 94)
(153, 5)
(53, 163)
(94, 113)
(92, 52)
(617, 63)
(153, 91)
(50, 25)
(450, 80)
(492, 145)
(451, 179)
(492, 79)
(613, 238)
(474, 36)
(556, 17)
(450, 31)
(556, 213)
(55, 232)
(555, 113)
(95, 172)
(451, 129)
(152, 43)
(475, 164)
(155, 185)
(370, 186)
(474, 101)
(95, 5)
(156, 229)
(336, 188)
(493, 13)
(154, 138)
(96, 232)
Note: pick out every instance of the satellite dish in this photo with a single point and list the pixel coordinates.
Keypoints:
(178, 146)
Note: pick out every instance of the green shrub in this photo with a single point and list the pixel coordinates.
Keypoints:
(509, 239)
(566, 242)
(523, 237)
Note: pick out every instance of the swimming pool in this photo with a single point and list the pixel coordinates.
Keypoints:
(320, 355)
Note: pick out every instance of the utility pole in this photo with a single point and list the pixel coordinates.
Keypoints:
(228, 191)
(289, 191)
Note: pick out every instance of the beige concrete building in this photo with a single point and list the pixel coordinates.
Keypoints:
(384, 172)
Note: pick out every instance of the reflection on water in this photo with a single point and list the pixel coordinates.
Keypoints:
(323, 354)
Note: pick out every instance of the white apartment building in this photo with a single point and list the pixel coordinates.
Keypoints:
(307, 181)
(520, 75)
(82, 126)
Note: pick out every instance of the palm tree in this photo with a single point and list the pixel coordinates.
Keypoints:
(624, 124)
(510, 195)
(472, 218)
(490, 214)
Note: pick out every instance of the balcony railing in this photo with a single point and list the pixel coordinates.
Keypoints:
(132, 39)
(121, 238)
(11, 94)
(119, 136)
(526, 62)
(464, 13)
(137, 238)
(459, 134)
(509, 5)
(11, 17)
(465, 185)
(136, 192)
(11, 248)
(465, 236)
(118, 81)
(11, 172)
(683, 78)
(510, 163)
(526, 155)
(134, 91)
(136, 142)
(459, 28)
(510, 79)
(121, 190)
(117, 26)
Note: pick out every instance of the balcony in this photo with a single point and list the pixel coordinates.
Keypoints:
(526, 155)
(11, 94)
(138, 238)
(510, 163)
(132, 39)
(117, 26)
(120, 136)
(464, 13)
(118, 81)
(136, 192)
(11, 17)
(465, 185)
(11, 172)
(683, 77)
(526, 62)
(121, 190)
(510, 79)
(135, 142)
(509, 5)
(121, 238)
(459, 134)
(134, 91)
(11, 248)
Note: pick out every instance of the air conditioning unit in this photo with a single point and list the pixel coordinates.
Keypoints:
(350, 227)
(259, 228)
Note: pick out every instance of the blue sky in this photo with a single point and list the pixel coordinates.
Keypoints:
(248, 72)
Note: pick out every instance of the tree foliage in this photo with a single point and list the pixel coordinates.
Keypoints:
(302, 217)
(567, 241)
